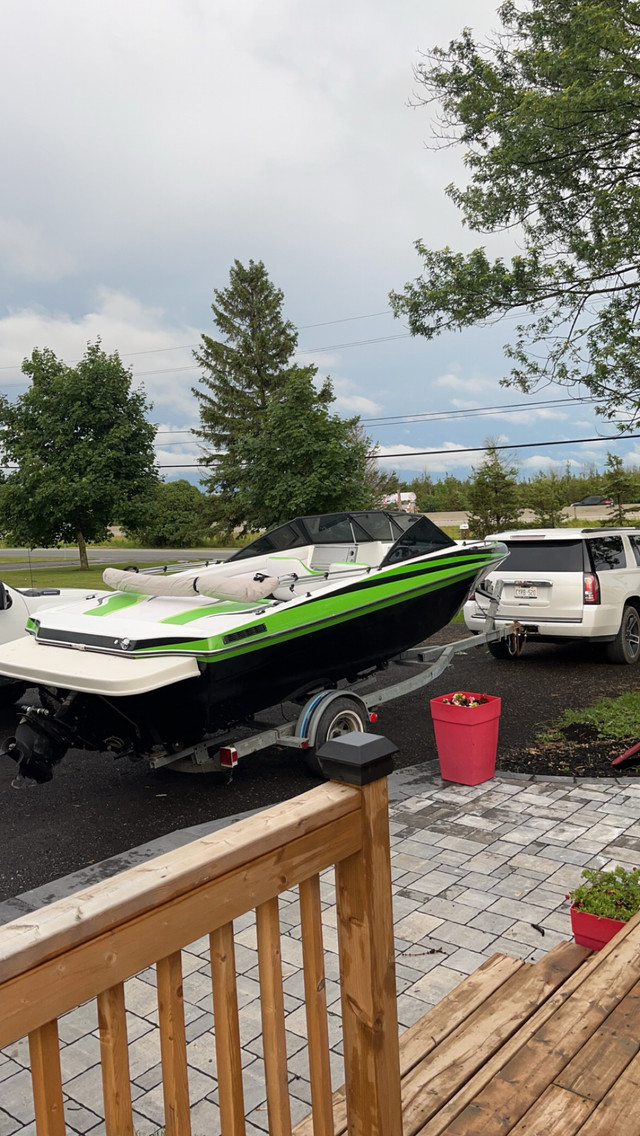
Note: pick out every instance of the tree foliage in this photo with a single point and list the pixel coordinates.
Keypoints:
(548, 114)
(83, 449)
(178, 516)
(617, 485)
(243, 371)
(304, 460)
(494, 498)
(544, 496)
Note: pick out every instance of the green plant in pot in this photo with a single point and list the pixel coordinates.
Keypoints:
(603, 904)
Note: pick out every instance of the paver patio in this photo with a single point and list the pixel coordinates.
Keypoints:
(476, 870)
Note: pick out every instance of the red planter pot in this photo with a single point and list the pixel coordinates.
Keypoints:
(466, 738)
(593, 930)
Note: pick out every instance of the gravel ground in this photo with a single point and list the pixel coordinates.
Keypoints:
(96, 807)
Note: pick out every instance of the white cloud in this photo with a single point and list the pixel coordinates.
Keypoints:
(159, 352)
(350, 401)
(447, 460)
(150, 144)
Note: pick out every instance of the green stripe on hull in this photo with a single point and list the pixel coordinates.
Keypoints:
(117, 602)
(283, 623)
(222, 607)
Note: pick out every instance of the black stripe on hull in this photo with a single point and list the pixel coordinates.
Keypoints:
(249, 683)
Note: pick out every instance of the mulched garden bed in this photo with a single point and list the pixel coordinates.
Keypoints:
(579, 752)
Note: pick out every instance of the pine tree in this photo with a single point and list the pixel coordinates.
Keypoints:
(493, 495)
(543, 495)
(617, 483)
(244, 370)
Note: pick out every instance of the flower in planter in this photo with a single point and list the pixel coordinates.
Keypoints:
(613, 895)
(462, 699)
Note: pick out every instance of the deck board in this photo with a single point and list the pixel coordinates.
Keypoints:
(422, 1037)
(450, 1067)
(521, 1049)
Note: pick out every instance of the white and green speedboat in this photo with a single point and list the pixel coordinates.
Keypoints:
(168, 659)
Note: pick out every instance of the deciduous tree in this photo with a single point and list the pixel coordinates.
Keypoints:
(83, 451)
(548, 115)
(177, 517)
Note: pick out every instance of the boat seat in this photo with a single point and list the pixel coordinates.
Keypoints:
(289, 566)
(372, 553)
(344, 569)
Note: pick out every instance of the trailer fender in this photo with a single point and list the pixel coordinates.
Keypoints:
(330, 714)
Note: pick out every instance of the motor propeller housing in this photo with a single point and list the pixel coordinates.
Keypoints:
(39, 743)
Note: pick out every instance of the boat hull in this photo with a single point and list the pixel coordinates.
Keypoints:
(111, 687)
(326, 654)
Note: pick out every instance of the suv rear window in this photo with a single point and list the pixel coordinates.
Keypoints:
(607, 553)
(544, 556)
(634, 541)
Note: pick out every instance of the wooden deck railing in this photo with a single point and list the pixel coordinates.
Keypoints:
(88, 945)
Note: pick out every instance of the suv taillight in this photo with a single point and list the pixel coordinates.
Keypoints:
(591, 588)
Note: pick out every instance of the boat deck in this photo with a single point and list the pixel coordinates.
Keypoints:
(535, 1048)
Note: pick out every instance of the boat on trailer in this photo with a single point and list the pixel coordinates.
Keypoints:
(170, 658)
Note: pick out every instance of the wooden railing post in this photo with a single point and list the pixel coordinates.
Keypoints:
(366, 943)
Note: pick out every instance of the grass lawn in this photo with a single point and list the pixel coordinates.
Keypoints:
(610, 718)
(55, 577)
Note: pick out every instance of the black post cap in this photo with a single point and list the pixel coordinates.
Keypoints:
(357, 758)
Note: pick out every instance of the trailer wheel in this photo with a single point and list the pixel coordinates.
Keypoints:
(344, 715)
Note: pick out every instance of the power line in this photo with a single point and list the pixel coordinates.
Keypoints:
(513, 446)
(470, 449)
(193, 346)
(196, 366)
(439, 415)
(454, 453)
(473, 412)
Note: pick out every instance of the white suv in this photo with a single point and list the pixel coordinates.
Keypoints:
(568, 584)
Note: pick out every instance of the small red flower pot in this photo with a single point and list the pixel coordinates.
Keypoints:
(593, 930)
(466, 738)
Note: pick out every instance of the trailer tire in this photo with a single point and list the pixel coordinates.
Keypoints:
(342, 716)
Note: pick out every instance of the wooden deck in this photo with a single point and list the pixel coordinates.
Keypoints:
(520, 1048)
(544, 1048)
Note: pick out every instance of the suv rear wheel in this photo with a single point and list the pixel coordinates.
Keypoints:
(625, 648)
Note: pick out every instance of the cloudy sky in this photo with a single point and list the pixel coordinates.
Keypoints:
(148, 143)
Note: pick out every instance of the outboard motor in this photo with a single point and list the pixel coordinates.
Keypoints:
(41, 741)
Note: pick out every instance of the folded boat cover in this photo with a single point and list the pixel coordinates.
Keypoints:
(210, 582)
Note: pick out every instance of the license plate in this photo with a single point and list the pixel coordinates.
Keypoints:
(525, 593)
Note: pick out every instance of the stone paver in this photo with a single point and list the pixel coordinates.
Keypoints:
(475, 870)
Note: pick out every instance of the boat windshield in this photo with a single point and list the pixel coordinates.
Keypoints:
(335, 528)
(421, 538)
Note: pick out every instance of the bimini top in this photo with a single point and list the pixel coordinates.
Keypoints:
(412, 534)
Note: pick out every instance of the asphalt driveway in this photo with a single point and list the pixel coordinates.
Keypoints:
(96, 807)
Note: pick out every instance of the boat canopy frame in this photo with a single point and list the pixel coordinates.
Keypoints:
(411, 534)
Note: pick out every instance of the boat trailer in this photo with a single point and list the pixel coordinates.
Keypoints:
(339, 710)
